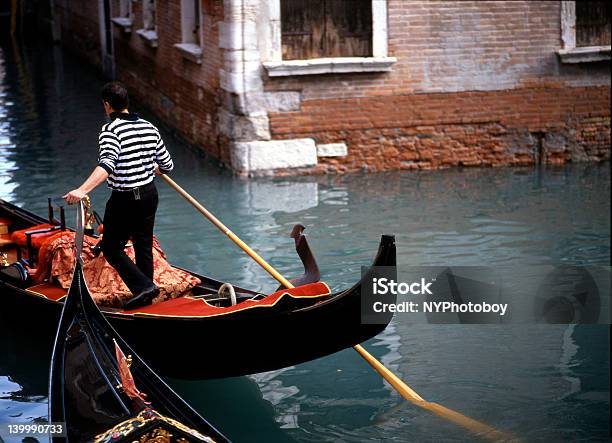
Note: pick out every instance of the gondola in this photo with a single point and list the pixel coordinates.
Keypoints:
(100, 395)
(205, 336)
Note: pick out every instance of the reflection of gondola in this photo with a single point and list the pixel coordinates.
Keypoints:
(205, 336)
(94, 388)
(24, 358)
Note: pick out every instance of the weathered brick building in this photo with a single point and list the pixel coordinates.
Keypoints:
(344, 85)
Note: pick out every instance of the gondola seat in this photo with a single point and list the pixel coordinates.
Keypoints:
(31, 239)
(5, 225)
(40, 234)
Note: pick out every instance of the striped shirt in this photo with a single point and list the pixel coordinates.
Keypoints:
(130, 147)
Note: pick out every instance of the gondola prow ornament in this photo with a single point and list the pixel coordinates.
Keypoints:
(128, 385)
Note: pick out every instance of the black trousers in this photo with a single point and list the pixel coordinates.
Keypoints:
(131, 215)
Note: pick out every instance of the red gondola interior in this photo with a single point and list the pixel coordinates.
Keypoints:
(47, 250)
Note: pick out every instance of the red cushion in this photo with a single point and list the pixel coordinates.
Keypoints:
(45, 255)
(20, 238)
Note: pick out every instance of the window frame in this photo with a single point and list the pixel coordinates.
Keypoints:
(190, 46)
(149, 35)
(125, 19)
(570, 53)
(271, 48)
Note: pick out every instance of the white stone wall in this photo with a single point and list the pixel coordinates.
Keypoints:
(273, 154)
(244, 115)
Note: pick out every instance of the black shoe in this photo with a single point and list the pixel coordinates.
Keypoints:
(143, 298)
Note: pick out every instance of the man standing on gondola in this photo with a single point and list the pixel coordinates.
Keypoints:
(131, 154)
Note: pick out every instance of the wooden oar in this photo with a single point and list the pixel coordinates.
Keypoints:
(402, 388)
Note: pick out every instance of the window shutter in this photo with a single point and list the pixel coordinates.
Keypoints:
(592, 23)
(348, 28)
(326, 28)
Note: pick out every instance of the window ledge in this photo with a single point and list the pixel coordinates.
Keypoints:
(149, 36)
(584, 54)
(124, 23)
(190, 51)
(329, 66)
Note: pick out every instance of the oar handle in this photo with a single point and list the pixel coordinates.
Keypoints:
(215, 221)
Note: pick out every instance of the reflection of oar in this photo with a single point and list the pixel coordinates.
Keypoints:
(402, 388)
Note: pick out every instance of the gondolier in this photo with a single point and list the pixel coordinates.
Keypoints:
(131, 153)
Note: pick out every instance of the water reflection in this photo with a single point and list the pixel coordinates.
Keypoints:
(273, 390)
(7, 147)
(24, 370)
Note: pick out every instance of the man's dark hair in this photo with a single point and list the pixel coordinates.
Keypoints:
(116, 94)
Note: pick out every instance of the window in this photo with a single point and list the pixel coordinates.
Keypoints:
(125, 18)
(326, 28)
(125, 9)
(585, 28)
(592, 24)
(190, 21)
(304, 37)
(148, 15)
(149, 30)
(190, 31)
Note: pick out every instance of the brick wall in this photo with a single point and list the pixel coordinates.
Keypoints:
(513, 127)
(80, 32)
(461, 46)
(183, 93)
(476, 83)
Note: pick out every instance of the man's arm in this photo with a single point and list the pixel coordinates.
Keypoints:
(109, 152)
(97, 176)
(162, 158)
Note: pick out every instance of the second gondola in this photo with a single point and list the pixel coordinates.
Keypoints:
(98, 394)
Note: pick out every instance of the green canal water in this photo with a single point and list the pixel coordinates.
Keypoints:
(539, 382)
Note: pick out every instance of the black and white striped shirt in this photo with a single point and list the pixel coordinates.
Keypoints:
(129, 149)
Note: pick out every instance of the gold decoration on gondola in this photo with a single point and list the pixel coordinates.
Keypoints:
(89, 215)
(146, 417)
(158, 435)
(3, 259)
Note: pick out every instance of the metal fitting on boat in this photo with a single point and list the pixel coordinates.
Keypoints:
(231, 291)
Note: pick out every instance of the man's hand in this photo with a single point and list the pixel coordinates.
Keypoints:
(74, 196)
(98, 175)
(157, 171)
